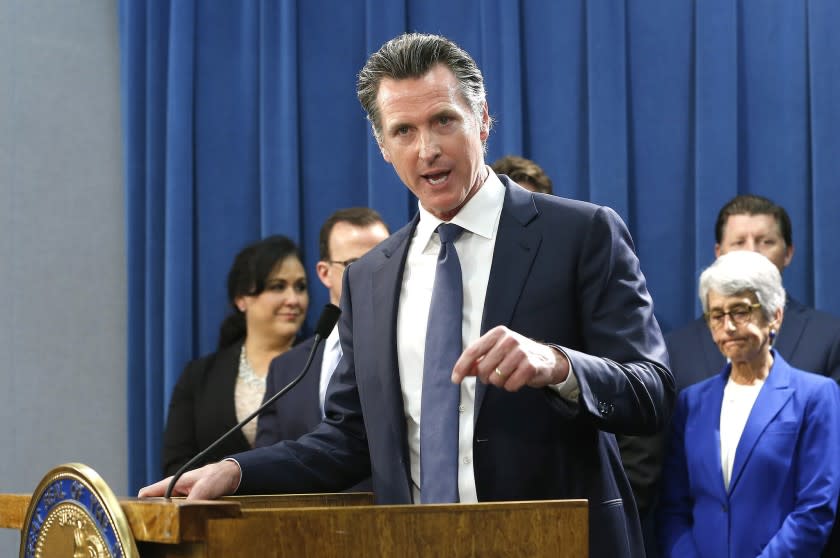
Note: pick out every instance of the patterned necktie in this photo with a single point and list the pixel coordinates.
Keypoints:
(440, 397)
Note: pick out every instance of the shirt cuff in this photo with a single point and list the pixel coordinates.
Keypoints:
(568, 389)
(235, 490)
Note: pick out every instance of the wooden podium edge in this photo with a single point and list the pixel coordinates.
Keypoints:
(175, 522)
(13, 510)
(179, 520)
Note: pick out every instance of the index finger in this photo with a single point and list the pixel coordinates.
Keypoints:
(156, 489)
(465, 365)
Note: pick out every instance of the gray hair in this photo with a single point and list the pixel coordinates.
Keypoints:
(413, 55)
(744, 271)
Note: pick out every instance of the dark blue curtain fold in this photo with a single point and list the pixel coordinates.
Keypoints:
(240, 120)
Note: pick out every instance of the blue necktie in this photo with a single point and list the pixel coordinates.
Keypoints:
(440, 398)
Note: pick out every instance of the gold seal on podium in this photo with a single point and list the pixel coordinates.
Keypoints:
(74, 513)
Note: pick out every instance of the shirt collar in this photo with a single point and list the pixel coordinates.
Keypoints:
(479, 215)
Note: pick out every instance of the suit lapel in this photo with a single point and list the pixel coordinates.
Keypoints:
(386, 284)
(772, 397)
(514, 252)
(228, 365)
(709, 425)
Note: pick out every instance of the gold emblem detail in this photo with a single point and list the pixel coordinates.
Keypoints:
(69, 531)
(74, 513)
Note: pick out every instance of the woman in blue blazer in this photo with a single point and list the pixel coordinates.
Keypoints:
(753, 465)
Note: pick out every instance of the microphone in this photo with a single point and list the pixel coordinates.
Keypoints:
(329, 316)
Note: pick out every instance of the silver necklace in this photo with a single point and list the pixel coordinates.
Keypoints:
(246, 372)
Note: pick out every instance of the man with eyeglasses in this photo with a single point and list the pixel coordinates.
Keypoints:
(345, 236)
(809, 340)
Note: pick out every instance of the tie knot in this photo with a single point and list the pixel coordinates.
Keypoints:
(449, 232)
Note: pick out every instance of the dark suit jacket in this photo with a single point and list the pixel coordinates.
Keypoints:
(785, 478)
(563, 272)
(299, 411)
(202, 409)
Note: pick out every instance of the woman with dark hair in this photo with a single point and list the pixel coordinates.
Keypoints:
(268, 298)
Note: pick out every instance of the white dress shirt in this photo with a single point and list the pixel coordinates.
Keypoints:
(332, 354)
(480, 221)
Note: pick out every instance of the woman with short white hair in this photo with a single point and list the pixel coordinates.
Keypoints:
(753, 464)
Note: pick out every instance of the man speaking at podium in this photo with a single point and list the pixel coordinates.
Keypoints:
(491, 347)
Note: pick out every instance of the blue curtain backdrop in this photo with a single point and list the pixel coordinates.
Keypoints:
(240, 120)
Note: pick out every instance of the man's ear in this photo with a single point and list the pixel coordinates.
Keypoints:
(382, 148)
(788, 255)
(717, 251)
(385, 154)
(484, 132)
(322, 268)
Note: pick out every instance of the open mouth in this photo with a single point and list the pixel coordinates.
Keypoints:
(436, 178)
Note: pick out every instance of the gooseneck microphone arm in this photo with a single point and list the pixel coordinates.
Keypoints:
(329, 316)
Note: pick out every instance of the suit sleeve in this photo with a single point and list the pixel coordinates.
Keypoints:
(805, 530)
(179, 438)
(675, 517)
(627, 388)
(331, 458)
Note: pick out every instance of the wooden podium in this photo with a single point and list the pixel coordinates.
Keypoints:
(343, 525)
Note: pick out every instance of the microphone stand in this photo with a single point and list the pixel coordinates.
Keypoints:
(329, 316)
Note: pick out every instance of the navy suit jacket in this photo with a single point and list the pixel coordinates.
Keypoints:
(563, 272)
(299, 411)
(808, 339)
(785, 480)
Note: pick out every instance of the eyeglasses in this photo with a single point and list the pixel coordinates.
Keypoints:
(739, 314)
(345, 263)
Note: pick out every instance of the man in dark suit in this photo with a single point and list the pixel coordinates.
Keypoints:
(808, 339)
(346, 235)
(562, 348)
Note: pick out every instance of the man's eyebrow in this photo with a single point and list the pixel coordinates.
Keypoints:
(391, 126)
(445, 111)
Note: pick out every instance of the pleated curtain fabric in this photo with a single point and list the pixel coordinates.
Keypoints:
(241, 120)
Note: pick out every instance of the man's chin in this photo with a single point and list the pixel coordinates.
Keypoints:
(444, 209)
